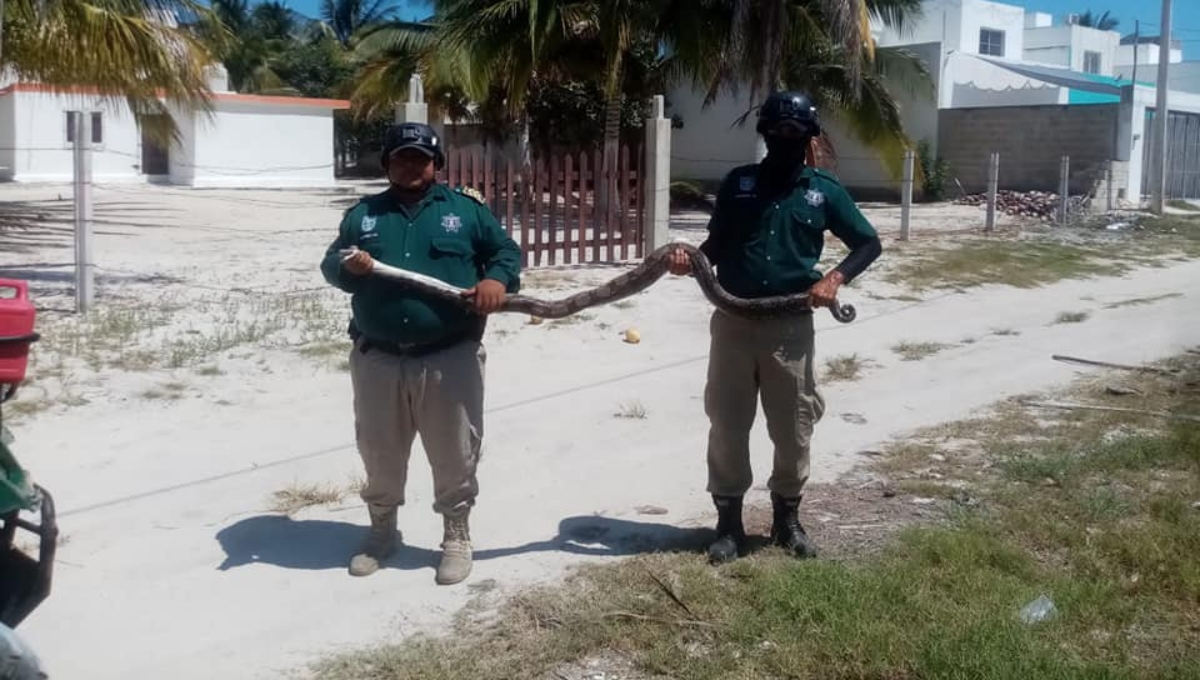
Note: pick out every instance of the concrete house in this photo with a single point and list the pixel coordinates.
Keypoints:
(247, 141)
(1005, 80)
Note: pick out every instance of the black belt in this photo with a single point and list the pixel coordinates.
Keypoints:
(406, 349)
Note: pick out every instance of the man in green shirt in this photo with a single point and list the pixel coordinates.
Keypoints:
(765, 238)
(417, 366)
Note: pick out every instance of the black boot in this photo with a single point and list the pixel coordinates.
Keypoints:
(786, 531)
(731, 535)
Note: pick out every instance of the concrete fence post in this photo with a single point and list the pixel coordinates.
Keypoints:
(81, 123)
(1064, 189)
(415, 110)
(906, 194)
(993, 187)
(656, 185)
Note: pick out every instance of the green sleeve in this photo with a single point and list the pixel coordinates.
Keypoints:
(718, 228)
(331, 265)
(844, 218)
(499, 255)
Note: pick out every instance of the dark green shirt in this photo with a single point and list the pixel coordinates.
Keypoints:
(448, 235)
(767, 241)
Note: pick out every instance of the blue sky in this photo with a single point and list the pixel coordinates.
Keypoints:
(1185, 19)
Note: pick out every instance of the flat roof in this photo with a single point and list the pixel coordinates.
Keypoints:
(256, 99)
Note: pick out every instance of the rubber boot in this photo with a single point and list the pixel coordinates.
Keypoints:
(731, 535)
(456, 551)
(380, 543)
(786, 531)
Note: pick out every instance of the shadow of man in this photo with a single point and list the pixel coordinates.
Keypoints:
(324, 544)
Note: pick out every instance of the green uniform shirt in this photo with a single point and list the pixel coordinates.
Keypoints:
(448, 235)
(765, 245)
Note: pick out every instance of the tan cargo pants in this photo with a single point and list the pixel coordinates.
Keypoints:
(440, 397)
(773, 358)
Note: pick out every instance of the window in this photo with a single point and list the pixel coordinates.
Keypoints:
(1091, 62)
(991, 42)
(97, 127)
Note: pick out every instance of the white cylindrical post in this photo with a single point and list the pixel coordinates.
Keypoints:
(992, 189)
(906, 194)
(84, 293)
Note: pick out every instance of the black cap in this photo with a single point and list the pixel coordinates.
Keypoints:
(789, 107)
(412, 136)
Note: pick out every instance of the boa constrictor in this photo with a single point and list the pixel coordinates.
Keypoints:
(652, 268)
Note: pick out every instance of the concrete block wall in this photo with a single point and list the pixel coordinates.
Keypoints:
(1031, 141)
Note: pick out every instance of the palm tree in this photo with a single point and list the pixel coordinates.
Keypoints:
(260, 36)
(1103, 22)
(769, 39)
(139, 51)
(346, 18)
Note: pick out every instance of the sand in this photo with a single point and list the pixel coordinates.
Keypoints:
(173, 563)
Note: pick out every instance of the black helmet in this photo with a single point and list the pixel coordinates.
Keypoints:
(789, 106)
(413, 136)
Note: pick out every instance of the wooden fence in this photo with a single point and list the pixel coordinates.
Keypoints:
(552, 211)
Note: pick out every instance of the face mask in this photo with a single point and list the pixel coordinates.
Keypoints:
(787, 149)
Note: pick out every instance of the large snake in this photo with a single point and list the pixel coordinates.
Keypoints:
(652, 268)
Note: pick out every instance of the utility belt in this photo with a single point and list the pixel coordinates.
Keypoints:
(416, 349)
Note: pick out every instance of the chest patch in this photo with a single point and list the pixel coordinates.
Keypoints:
(368, 223)
(451, 223)
(814, 197)
(746, 184)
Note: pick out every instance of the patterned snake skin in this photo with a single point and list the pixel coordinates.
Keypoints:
(652, 268)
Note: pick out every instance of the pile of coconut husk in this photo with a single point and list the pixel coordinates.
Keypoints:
(1041, 205)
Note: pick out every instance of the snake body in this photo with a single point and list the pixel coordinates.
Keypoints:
(651, 269)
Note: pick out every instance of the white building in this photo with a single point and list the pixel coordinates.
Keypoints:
(246, 141)
(1065, 90)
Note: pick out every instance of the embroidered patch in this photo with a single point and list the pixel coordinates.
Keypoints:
(814, 197)
(746, 183)
(471, 192)
(368, 223)
(451, 223)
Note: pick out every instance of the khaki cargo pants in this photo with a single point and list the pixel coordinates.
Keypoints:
(773, 358)
(438, 396)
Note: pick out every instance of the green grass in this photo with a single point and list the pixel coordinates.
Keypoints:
(1024, 264)
(915, 351)
(1183, 205)
(1112, 539)
(1072, 317)
(843, 368)
(1035, 262)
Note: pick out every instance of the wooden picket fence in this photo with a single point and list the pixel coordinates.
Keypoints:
(553, 212)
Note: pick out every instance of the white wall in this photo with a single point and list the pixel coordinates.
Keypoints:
(1065, 46)
(1146, 55)
(1139, 134)
(978, 14)
(42, 152)
(254, 144)
(181, 157)
(708, 147)
(8, 140)
(1183, 76)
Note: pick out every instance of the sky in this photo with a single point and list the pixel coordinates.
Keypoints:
(1185, 16)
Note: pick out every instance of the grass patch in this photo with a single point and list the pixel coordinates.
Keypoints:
(1111, 540)
(1004, 332)
(326, 349)
(1024, 264)
(843, 368)
(915, 351)
(300, 496)
(1180, 204)
(210, 371)
(633, 410)
(1134, 302)
(1072, 317)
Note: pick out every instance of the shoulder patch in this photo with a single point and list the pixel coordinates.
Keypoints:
(472, 193)
(825, 174)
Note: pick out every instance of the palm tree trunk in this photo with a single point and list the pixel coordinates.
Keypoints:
(607, 195)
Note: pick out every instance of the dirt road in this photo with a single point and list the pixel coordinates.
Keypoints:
(173, 565)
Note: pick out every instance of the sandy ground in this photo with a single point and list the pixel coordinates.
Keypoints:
(215, 380)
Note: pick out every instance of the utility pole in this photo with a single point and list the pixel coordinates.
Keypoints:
(84, 281)
(1137, 47)
(1162, 112)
